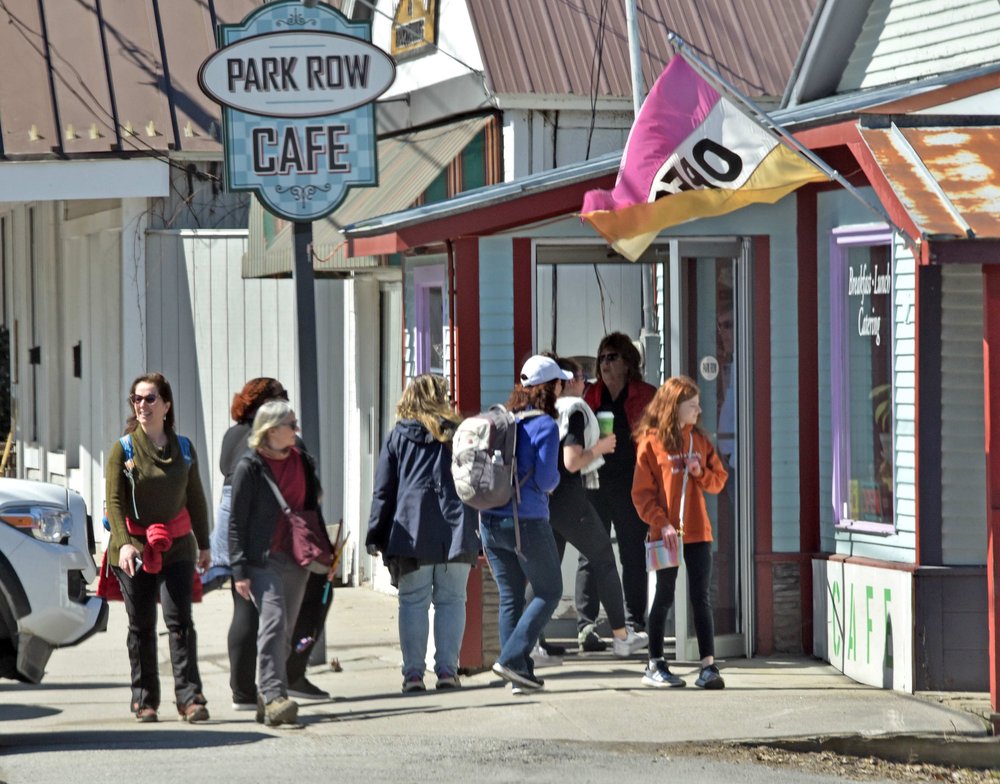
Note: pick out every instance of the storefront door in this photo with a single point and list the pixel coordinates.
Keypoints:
(705, 331)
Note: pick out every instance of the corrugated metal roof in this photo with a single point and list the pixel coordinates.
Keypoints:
(946, 178)
(817, 112)
(407, 165)
(548, 48)
(83, 78)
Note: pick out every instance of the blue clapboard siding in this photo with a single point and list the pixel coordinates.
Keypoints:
(496, 319)
(963, 459)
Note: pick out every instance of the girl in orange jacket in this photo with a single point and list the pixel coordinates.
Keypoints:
(674, 457)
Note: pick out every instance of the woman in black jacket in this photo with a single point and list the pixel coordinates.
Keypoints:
(264, 570)
(426, 535)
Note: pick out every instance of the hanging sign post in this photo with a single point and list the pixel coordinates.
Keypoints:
(297, 87)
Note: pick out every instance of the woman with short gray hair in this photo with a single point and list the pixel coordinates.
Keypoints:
(264, 570)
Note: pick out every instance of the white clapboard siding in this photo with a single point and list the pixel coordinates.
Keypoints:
(903, 40)
(963, 458)
(209, 331)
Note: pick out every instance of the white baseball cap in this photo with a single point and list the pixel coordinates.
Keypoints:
(538, 369)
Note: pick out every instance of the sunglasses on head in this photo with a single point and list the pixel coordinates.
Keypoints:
(611, 356)
(136, 399)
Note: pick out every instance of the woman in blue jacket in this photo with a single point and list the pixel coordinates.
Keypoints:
(426, 535)
(524, 552)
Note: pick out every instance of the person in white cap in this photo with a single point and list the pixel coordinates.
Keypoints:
(524, 552)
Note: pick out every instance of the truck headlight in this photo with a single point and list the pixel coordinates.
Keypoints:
(44, 523)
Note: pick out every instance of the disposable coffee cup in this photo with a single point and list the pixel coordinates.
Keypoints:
(606, 421)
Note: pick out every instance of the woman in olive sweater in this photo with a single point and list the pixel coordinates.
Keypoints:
(159, 534)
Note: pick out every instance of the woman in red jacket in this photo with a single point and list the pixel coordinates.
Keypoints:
(621, 391)
(676, 465)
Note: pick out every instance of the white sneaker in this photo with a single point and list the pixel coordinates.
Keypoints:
(634, 641)
(542, 659)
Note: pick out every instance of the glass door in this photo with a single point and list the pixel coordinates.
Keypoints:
(705, 324)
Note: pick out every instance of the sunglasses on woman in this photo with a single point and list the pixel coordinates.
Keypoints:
(136, 399)
(611, 356)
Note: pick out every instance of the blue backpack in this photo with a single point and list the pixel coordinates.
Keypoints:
(126, 442)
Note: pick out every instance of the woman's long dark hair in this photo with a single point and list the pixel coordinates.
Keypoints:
(622, 345)
(163, 390)
(540, 396)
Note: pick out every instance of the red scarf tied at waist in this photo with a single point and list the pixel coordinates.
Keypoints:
(159, 538)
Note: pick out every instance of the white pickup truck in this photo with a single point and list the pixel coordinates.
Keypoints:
(45, 567)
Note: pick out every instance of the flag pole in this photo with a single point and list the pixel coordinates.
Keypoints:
(764, 118)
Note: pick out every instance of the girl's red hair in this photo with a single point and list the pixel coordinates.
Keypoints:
(660, 416)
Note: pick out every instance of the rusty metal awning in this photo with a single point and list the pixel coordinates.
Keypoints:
(407, 165)
(946, 178)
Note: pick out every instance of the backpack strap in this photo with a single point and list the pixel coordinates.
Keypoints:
(126, 442)
(519, 417)
(185, 443)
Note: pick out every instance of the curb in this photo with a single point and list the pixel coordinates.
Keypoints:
(982, 753)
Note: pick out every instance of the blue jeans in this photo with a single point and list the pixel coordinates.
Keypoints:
(537, 565)
(444, 584)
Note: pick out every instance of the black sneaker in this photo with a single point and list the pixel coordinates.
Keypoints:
(551, 648)
(304, 689)
(526, 680)
(590, 642)
(709, 678)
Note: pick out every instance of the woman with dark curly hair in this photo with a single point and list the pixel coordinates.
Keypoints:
(620, 390)
(524, 551)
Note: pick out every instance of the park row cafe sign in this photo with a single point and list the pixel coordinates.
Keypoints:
(297, 87)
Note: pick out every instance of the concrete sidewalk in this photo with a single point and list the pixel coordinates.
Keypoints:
(592, 697)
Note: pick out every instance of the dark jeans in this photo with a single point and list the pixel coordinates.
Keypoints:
(310, 622)
(537, 564)
(614, 506)
(575, 520)
(173, 585)
(698, 560)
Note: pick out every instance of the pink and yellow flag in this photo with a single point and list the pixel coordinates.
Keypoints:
(691, 154)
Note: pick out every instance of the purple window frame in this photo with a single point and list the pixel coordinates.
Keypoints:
(424, 279)
(841, 241)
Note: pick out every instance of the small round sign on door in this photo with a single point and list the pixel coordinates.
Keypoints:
(708, 368)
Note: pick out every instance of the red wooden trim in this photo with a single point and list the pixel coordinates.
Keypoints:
(991, 374)
(762, 439)
(917, 556)
(466, 321)
(886, 195)
(523, 303)
(808, 334)
(808, 329)
(829, 135)
(554, 203)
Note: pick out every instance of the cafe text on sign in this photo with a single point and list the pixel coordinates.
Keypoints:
(297, 86)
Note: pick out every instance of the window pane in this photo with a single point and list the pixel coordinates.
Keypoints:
(869, 384)
(435, 329)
